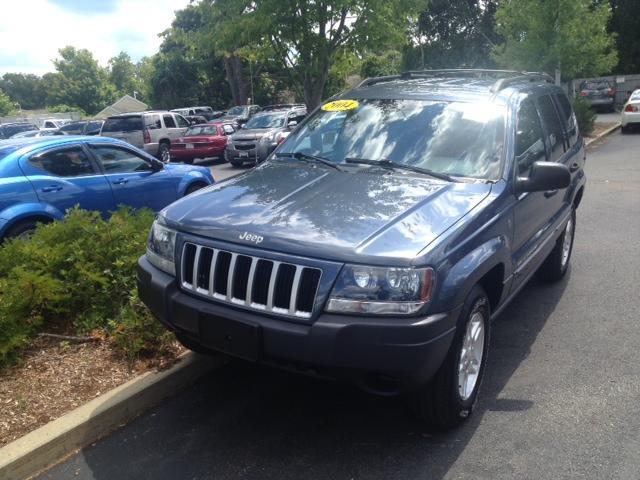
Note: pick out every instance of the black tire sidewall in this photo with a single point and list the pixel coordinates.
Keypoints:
(477, 300)
(20, 228)
(164, 147)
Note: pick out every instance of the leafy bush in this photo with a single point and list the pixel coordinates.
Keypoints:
(62, 108)
(77, 276)
(585, 115)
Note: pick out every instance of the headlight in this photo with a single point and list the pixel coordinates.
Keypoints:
(268, 138)
(383, 291)
(161, 247)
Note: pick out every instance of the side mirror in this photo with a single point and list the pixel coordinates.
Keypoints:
(156, 165)
(544, 176)
(292, 124)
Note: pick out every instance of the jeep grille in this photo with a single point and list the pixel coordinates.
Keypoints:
(252, 282)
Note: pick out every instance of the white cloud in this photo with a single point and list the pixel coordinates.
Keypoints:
(32, 31)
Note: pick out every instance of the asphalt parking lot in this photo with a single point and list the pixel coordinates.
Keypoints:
(560, 397)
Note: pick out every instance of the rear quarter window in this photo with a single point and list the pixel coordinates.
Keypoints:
(567, 117)
(122, 124)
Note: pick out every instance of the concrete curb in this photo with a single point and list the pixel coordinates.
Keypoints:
(608, 131)
(48, 444)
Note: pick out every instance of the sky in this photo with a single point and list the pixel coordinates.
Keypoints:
(32, 31)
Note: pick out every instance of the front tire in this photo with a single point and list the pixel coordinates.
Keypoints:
(450, 397)
(557, 263)
(23, 230)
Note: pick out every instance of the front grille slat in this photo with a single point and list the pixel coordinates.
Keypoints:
(252, 282)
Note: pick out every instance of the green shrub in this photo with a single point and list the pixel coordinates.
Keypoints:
(77, 275)
(585, 115)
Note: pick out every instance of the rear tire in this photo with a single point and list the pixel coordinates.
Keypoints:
(164, 152)
(450, 397)
(557, 263)
(23, 230)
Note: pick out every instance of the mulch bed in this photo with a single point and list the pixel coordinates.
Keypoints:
(54, 377)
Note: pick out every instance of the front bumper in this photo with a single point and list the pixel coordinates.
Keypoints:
(254, 152)
(408, 350)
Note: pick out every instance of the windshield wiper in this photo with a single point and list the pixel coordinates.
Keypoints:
(306, 157)
(400, 166)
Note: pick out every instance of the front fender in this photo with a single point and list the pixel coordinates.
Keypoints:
(467, 272)
(191, 177)
(16, 213)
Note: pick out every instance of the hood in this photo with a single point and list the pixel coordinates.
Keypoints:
(315, 211)
(253, 134)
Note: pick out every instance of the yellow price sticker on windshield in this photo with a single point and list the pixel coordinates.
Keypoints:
(340, 106)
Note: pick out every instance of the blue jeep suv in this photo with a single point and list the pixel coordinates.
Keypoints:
(381, 238)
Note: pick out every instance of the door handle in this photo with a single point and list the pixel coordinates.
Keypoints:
(52, 188)
(120, 181)
(574, 167)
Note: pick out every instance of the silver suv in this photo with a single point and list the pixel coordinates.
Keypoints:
(262, 134)
(151, 131)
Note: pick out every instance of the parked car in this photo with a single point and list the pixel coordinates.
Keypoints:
(262, 134)
(54, 122)
(43, 132)
(83, 127)
(202, 141)
(40, 178)
(8, 130)
(630, 115)
(600, 94)
(196, 119)
(381, 238)
(151, 131)
(240, 114)
(206, 112)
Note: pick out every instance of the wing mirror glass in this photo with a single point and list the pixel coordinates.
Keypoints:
(544, 176)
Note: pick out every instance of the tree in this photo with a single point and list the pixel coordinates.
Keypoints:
(454, 34)
(388, 63)
(25, 89)
(625, 24)
(307, 35)
(6, 105)
(78, 81)
(548, 35)
(123, 75)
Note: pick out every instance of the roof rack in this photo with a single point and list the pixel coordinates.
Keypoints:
(504, 78)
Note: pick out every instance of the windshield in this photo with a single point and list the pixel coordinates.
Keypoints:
(454, 138)
(202, 130)
(266, 121)
(239, 110)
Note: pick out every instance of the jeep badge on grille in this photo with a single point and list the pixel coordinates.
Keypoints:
(251, 237)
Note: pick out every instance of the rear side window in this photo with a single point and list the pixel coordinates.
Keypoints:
(168, 121)
(568, 118)
(529, 142)
(73, 128)
(119, 160)
(122, 124)
(552, 126)
(70, 162)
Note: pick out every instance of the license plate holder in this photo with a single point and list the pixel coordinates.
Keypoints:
(234, 337)
(243, 154)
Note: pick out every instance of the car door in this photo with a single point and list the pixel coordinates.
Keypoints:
(534, 211)
(182, 124)
(67, 176)
(133, 180)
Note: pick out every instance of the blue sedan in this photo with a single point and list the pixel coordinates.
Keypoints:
(42, 177)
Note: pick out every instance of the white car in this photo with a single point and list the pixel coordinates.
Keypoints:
(631, 111)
